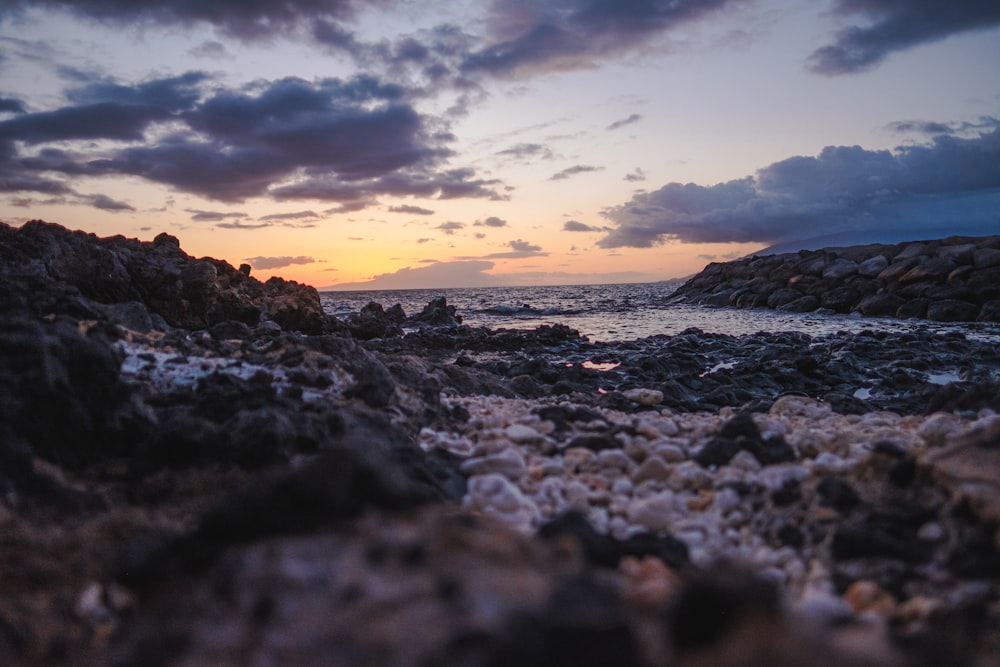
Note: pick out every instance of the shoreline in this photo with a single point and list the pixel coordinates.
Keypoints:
(281, 486)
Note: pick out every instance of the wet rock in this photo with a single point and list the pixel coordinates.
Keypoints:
(951, 310)
(437, 313)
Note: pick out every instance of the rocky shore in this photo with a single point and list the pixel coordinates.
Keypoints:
(199, 468)
(956, 279)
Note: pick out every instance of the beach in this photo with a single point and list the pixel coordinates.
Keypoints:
(200, 468)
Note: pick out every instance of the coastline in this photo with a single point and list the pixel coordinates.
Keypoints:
(207, 468)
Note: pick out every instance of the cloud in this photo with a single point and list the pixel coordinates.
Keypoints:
(553, 35)
(518, 250)
(240, 225)
(210, 49)
(527, 152)
(896, 25)
(266, 263)
(951, 184)
(491, 221)
(577, 226)
(335, 140)
(212, 216)
(411, 210)
(573, 171)
(633, 118)
(450, 228)
(236, 18)
(298, 215)
(106, 203)
(434, 276)
(636, 176)
(11, 105)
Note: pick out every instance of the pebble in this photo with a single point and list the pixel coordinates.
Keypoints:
(653, 468)
(647, 397)
(651, 484)
(509, 463)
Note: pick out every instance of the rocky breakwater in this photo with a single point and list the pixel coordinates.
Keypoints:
(955, 279)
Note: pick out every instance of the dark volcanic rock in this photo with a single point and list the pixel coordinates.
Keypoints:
(184, 291)
(741, 433)
(61, 392)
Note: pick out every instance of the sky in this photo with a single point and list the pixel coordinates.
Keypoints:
(359, 144)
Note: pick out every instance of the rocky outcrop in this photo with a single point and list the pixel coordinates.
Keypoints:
(144, 283)
(956, 279)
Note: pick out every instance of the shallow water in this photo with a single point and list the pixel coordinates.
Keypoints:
(606, 313)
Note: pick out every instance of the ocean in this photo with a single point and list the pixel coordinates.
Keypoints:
(623, 312)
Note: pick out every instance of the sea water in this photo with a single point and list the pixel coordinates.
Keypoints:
(622, 312)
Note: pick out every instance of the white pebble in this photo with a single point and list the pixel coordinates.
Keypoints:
(647, 397)
(509, 463)
(655, 512)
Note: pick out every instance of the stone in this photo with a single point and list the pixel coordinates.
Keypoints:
(805, 304)
(990, 312)
(985, 258)
(653, 468)
(643, 396)
(913, 308)
(839, 269)
(882, 304)
(873, 266)
(931, 269)
(952, 310)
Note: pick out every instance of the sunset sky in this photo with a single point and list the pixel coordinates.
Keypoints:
(427, 143)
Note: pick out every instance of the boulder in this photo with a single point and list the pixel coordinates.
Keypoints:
(839, 269)
(933, 268)
(952, 310)
(913, 308)
(873, 266)
(882, 304)
(984, 258)
(990, 312)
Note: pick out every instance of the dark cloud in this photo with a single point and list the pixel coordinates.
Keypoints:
(101, 110)
(240, 225)
(213, 216)
(238, 18)
(636, 176)
(298, 215)
(547, 35)
(106, 203)
(618, 124)
(951, 183)
(450, 228)
(527, 152)
(577, 226)
(895, 25)
(265, 263)
(211, 49)
(518, 250)
(447, 184)
(573, 171)
(11, 105)
(492, 221)
(920, 126)
(335, 140)
(411, 210)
